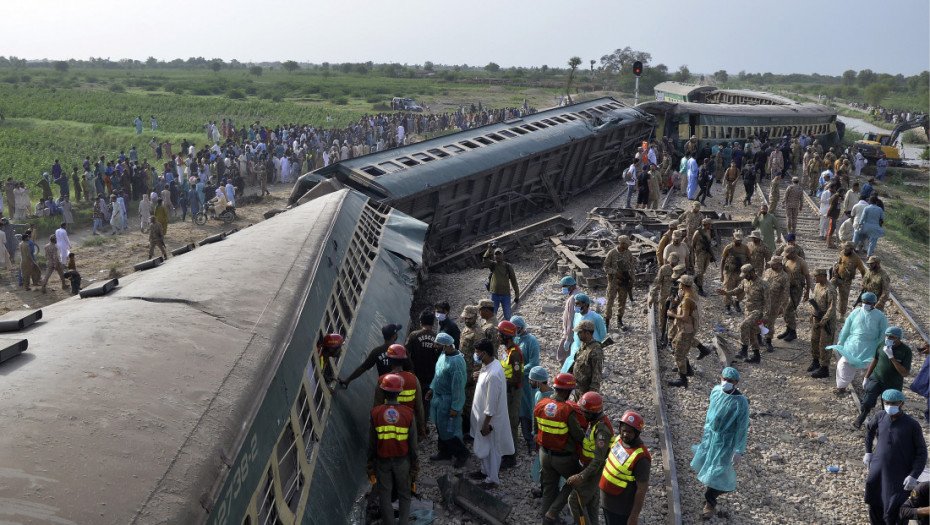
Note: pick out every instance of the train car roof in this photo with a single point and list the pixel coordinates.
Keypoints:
(681, 88)
(484, 147)
(124, 407)
(738, 110)
(761, 94)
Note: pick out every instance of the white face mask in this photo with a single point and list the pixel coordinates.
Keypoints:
(564, 290)
(440, 317)
(867, 307)
(892, 409)
(889, 342)
(726, 386)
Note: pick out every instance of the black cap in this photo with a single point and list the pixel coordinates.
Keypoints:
(389, 330)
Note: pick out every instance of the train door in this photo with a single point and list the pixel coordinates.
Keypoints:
(692, 125)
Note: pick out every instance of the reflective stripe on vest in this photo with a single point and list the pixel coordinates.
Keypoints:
(618, 470)
(392, 432)
(505, 362)
(552, 423)
(587, 445)
(392, 426)
(406, 396)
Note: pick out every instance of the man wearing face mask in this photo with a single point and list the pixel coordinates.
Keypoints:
(529, 347)
(890, 364)
(447, 399)
(447, 325)
(724, 441)
(489, 417)
(569, 290)
(863, 332)
(895, 454)
(583, 312)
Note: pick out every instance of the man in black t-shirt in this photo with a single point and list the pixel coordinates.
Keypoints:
(377, 356)
(423, 351)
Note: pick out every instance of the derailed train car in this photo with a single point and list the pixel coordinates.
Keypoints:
(193, 393)
(469, 183)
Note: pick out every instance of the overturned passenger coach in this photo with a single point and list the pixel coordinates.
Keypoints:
(485, 179)
(202, 399)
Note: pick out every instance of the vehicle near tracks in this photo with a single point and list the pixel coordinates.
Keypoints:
(208, 211)
(405, 104)
(485, 179)
(204, 400)
(873, 144)
(717, 116)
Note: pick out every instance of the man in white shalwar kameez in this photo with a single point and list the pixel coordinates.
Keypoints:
(490, 424)
(863, 332)
(285, 170)
(64, 243)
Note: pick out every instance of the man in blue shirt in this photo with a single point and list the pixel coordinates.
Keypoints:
(583, 312)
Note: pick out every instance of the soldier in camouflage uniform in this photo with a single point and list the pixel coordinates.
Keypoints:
(691, 220)
(844, 271)
(674, 299)
(778, 297)
(822, 329)
(799, 283)
(488, 323)
(759, 253)
(589, 361)
(775, 191)
(703, 253)
(467, 340)
(658, 294)
(665, 241)
(814, 169)
(679, 246)
(790, 240)
(687, 319)
(877, 281)
(730, 178)
(719, 166)
(734, 256)
(621, 278)
(755, 292)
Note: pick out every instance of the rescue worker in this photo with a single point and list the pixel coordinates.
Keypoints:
(488, 323)
(569, 289)
(734, 256)
(680, 247)
(686, 319)
(625, 478)
(594, 449)
(421, 349)
(392, 451)
(757, 295)
(691, 220)
(730, 178)
(558, 433)
(412, 394)
(378, 355)
(799, 286)
(665, 241)
(844, 271)
(877, 281)
(467, 340)
(794, 198)
(589, 361)
(621, 278)
(759, 253)
(329, 349)
(895, 454)
(529, 347)
(724, 441)
(890, 365)
(822, 328)
(779, 286)
(703, 253)
(862, 333)
(447, 400)
(512, 362)
(659, 293)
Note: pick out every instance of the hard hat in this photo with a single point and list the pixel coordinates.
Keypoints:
(397, 352)
(332, 341)
(633, 419)
(507, 328)
(564, 381)
(392, 382)
(592, 402)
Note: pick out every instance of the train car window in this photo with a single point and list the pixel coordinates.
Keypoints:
(550, 122)
(496, 137)
(703, 132)
(390, 167)
(305, 420)
(371, 170)
(267, 511)
(422, 157)
(559, 120)
(729, 132)
(585, 114)
(407, 161)
(453, 148)
(595, 111)
(528, 127)
(540, 125)
(289, 468)
(436, 152)
(713, 132)
(469, 144)
(518, 131)
(568, 116)
(484, 140)
(508, 134)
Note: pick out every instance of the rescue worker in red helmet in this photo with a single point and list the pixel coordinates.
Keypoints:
(625, 478)
(594, 450)
(557, 433)
(392, 450)
(513, 373)
(329, 349)
(412, 395)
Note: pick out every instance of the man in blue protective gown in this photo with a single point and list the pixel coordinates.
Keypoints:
(447, 395)
(529, 346)
(724, 441)
(862, 334)
(895, 454)
(583, 312)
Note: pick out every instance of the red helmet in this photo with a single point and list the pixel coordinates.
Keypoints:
(397, 352)
(592, 402)
(392, 383)
(633, 419)
(507, 328)
(564, 381)
(333, 340)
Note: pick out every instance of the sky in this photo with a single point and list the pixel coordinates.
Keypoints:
(790, 36)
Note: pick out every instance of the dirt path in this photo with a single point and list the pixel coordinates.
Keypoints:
(99, 257)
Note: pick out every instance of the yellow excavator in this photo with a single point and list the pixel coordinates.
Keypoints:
(873, 144)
